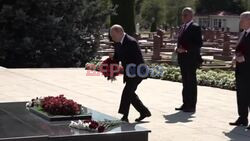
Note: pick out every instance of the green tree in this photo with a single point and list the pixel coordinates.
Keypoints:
(209, 6)
(138, 6)
(153, 13)
(125, 15)
(174, 9)
(164, 12)
(49, 33)
(246, 4)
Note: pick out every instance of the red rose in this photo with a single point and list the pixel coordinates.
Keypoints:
(86, 121)
(93, 125)
(59, 105)
(110, 68)
(101, 129)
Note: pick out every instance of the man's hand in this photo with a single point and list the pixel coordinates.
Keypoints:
(240, 59)
(111, 56)
(112, 78)
(181, 50)
(233, 62)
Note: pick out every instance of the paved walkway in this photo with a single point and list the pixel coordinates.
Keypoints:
(216, 107)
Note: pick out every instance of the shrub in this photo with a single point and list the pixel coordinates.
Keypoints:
(213, 78)
(50, 33)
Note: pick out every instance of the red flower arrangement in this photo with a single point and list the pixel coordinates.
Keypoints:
(59, 105)
(94, 125)
(110, 68)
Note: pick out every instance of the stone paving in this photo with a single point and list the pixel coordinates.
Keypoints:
(216, 107)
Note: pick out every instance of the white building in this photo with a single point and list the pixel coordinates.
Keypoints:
(219, 20)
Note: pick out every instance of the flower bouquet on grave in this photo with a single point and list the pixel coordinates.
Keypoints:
(57, 105)
(95, 126)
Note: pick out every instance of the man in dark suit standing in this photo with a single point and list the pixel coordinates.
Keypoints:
(128, 52)
(189, 59)
(242, 71)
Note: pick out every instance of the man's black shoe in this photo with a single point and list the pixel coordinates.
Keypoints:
(239, 122)
(142, 116)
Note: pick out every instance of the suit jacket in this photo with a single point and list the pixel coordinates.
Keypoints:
(191, 40)
(243, 47)
(128, 53)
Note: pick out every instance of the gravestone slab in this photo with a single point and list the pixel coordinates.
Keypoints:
(19, 124)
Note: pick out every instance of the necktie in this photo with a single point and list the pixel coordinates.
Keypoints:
(241, 40)
(185, 25)
(243, 36)
(183, 29)
(118, 44)
(118, 48)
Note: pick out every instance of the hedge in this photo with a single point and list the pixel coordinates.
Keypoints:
(224, 79)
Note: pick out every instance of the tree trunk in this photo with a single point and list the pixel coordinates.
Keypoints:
(125, 15)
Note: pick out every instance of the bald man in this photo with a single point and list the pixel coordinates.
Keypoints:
(242, 71)
(189, 59)
(129, 53)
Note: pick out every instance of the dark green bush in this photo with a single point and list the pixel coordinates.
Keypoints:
(213, 78)
(50, 33)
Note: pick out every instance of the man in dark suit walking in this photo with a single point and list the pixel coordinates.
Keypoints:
(189, 59)
(128, 52)
(242, 71)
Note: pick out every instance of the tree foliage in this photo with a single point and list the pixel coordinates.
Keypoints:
(49, 33)
(152, 13)
(210, 6)
(163, 12)
(125, 15)
(174, 9)
(168, 12)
